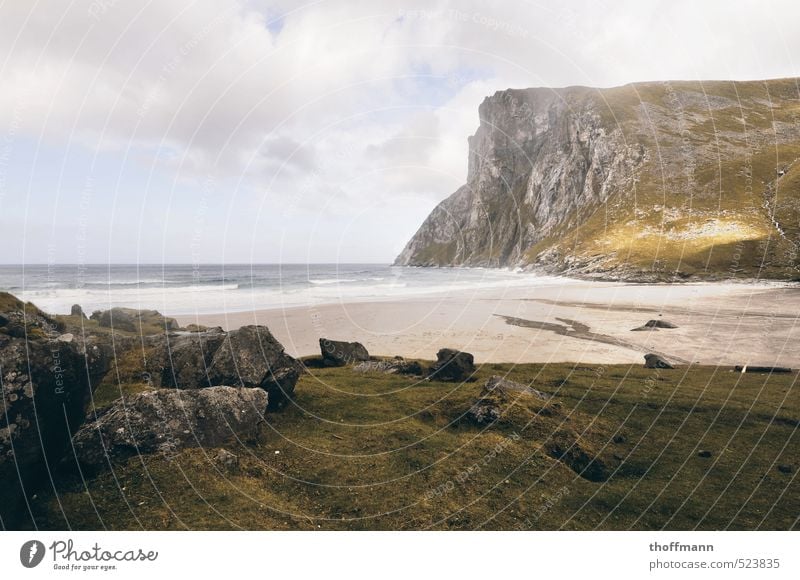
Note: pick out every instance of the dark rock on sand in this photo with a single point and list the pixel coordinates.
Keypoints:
(654, 361)
(705, 454)
(166, 421)
(336, 353)
(452, 365)
(785, 468)
(654, 325)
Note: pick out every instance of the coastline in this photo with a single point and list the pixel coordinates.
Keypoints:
(719, 323)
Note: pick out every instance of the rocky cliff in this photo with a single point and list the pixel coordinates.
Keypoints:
(647, 181)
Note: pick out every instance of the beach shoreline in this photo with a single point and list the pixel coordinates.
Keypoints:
(718, 323)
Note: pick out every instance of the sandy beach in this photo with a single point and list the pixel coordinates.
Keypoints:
(577, 321)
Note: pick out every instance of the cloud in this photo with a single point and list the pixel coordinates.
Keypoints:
(336, 100)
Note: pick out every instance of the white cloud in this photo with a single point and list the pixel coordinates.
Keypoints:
(337, 102)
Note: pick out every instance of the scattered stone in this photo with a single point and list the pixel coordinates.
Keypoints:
(227, 460)
(452, 365)
(620, 438)
(68, 337)
(166, 421)
(336, 353)
(76, 310)
(654, 361)
(705, 454)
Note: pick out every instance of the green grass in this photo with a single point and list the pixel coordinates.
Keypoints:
(386, 452)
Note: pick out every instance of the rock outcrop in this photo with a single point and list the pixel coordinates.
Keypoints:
(167, 420)
(626, 183)
(496, 395)
(337, 353)
(45, 385)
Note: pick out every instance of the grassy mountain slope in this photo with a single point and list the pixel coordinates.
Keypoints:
(646, 181)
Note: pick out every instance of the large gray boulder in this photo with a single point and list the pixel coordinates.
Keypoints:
(167, 420)
(251, 357)
(452, 365)
(337, 353)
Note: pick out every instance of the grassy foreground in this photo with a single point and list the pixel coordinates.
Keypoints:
(381, 452)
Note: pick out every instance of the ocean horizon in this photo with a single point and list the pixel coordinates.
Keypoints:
(180, 289)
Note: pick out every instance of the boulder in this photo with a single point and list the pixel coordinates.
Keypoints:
(167, 420)
(251, 357)
(336, 353)
(452, 365)
(654, 361)
(390, 367)
(131, 319)
(187, 357)
(45, 386)
(116, 318)
(76, 310)
(659, 324)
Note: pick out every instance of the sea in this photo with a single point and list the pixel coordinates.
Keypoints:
(177, 289)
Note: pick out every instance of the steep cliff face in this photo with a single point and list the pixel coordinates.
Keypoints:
(652, 180)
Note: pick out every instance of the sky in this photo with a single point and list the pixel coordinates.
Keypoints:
(224, 131)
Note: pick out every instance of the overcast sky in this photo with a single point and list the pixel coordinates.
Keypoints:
(224, 131)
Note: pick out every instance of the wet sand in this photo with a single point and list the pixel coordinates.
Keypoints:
(589, 322)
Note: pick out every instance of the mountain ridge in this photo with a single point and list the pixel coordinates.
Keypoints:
(668, 180)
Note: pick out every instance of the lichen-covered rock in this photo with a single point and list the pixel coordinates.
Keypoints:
(45, 386)
(251, 357)
(452, 365)
(397, 366)
(337, 353)
(247, 357)
(168, 420)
